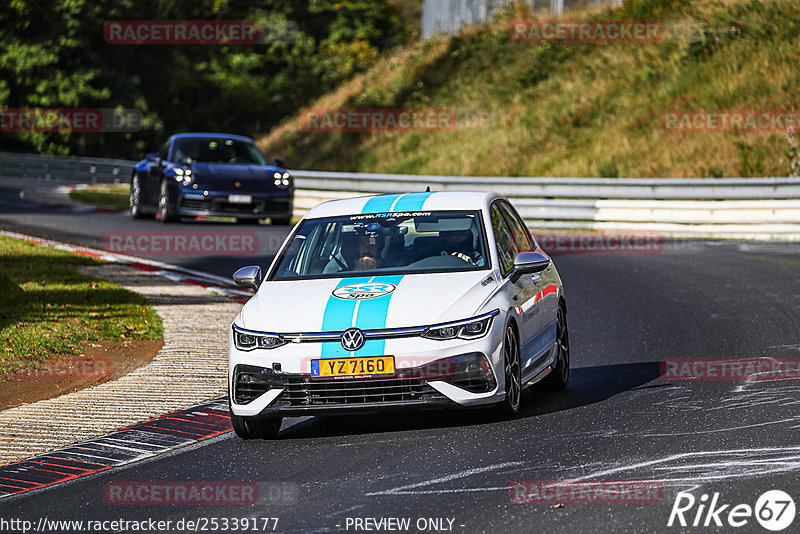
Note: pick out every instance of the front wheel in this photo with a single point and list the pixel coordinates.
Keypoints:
(165, 210)
(249, 428)
(513, 373)
(559, 377)
(135, 199)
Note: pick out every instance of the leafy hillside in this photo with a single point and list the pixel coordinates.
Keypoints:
(558, 109)
(304, 50)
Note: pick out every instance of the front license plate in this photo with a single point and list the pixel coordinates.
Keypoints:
(240, 199)
(349, 367)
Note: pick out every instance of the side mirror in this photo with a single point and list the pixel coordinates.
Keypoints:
(248, 277)
(279, 162)
(528, 262)
(155, 157)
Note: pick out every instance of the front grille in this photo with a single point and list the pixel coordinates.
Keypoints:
(221, 205)
(249, 386)
(473, 384)
(195, 204)
(299, 392)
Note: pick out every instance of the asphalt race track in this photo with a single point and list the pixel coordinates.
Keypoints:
(618, 421)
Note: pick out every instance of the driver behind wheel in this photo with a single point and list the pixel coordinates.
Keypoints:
(459, 244)
(368, 255)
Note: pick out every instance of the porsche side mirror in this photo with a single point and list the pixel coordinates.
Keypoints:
(154, 157)
(279, 162)
(528, 262)
(248, 277)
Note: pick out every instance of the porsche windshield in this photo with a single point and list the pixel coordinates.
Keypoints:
(216, 150)
(384, 243)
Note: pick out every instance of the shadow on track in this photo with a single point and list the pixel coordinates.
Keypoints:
(588, 385)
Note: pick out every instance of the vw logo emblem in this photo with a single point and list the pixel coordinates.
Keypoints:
(352, 339)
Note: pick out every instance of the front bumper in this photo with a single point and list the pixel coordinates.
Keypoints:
(262, 392)
(216, 204)
(429, 374)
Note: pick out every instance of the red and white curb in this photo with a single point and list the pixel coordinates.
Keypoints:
(125, 446)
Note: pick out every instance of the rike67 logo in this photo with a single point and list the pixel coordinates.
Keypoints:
(774, 510)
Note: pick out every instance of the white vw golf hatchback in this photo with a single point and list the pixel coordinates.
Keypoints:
(400, 301)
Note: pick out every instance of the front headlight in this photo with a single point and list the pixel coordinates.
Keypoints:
(473, 328)
(183, 175)
(249, 340)
(281, 179)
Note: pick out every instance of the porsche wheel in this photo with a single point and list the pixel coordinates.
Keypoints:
(165, 209)
(136, 198)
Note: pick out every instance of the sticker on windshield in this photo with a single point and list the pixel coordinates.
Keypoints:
(363, 291)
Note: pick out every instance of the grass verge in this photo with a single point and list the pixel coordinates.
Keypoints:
(48, 310)
(107, 196)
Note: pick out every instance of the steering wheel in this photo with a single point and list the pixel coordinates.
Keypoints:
(460, 256)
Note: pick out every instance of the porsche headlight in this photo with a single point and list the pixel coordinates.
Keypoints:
(249, 340)
(473, 328)
(183, 175)
(281, 180)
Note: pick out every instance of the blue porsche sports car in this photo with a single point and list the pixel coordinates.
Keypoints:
(211, 174)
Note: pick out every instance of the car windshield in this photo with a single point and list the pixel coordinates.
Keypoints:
(385, 243)
(216, 150)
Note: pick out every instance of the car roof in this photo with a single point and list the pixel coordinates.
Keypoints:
(404, 202)
(211, 134)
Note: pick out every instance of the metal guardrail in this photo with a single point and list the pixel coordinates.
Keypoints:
(87, 170)
(745, 208)
(594, 188)
(713, 207)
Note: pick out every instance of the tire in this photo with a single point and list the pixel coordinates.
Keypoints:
(135, 199)
(559, 378)
(513, 373)
(165, 210)
(281, 221)
(249, 428)
(247, 221)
